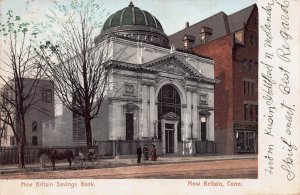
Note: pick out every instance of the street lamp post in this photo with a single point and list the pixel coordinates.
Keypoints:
(154, 122)
(191, 124)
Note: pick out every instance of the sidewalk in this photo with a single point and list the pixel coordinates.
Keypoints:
(125, 161)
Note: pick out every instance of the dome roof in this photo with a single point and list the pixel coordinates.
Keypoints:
(136, 24)
(131, 15)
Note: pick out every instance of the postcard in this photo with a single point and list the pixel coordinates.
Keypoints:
(149, 97)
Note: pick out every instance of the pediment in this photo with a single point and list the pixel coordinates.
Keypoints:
(173, 64)
(204, 113)
(130, 107)
(170, 116)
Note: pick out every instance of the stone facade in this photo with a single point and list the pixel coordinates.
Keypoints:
(136, 87)
(133, 90)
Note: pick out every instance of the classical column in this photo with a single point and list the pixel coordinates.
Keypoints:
(163, 139)
(144, 116)
(152, 109)
(188, 115)
(195, 115)
(210, 126)
(183, 123)
(175, 138)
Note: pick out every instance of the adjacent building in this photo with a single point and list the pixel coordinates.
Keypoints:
(232, 42)
(41, 109)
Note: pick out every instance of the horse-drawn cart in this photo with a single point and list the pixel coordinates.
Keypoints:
(81, 160)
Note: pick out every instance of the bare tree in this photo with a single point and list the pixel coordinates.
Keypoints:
(19, 77)
(74, 61)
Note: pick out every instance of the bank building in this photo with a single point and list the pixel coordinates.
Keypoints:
(157, 94)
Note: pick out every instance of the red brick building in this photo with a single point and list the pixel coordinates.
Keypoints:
(232, 41)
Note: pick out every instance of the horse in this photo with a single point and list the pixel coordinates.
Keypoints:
(56, 154)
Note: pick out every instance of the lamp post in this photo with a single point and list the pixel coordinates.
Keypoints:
(191, 124)
(154, 122)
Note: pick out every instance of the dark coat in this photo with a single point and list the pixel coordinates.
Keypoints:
(139, 151)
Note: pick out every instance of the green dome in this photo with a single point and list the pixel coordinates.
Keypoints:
(135, 24)
(131, 15)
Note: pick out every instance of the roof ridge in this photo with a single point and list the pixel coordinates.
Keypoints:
(253, 5)
(221, 12)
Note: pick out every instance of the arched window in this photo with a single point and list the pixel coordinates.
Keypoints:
(169, 101)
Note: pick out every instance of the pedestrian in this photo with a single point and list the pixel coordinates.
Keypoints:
(153, 153)
(146, 152)
(139, 154)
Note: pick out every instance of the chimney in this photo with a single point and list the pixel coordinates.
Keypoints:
(187, 25)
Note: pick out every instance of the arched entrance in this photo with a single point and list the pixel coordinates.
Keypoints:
(169, 118)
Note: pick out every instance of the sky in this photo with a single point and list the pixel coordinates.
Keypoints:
(172, 14)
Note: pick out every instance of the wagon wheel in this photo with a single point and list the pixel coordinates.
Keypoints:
(95, 159)
(79, 162)
(101, 158)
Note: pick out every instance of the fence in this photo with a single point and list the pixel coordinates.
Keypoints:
(105, 148)
(124, 147)
(10, 155)
(108, 148)
(203, 147)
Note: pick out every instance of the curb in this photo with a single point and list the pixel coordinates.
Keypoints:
(115, 163)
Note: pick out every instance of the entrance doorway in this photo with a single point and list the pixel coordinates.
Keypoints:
(129, 126)
(168, 102)
(169, 137)
(203, 131)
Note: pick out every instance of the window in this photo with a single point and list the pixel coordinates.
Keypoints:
(252, 85)
(34, 140)
(129, 89)
(246, 112)
(34, 125)
(251, 112)
(203, 98)
(46, 95)
(245, 87)
(246, 141)
(12, 141)
(248, 88)
(203, 38)
(186, 44)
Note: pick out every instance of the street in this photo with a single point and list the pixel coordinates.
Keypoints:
(219, 169)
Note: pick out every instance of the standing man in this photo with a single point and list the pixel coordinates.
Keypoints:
(139, 154)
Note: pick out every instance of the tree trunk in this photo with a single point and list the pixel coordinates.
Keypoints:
(21, 155)
(88, 132)
(22, 143)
